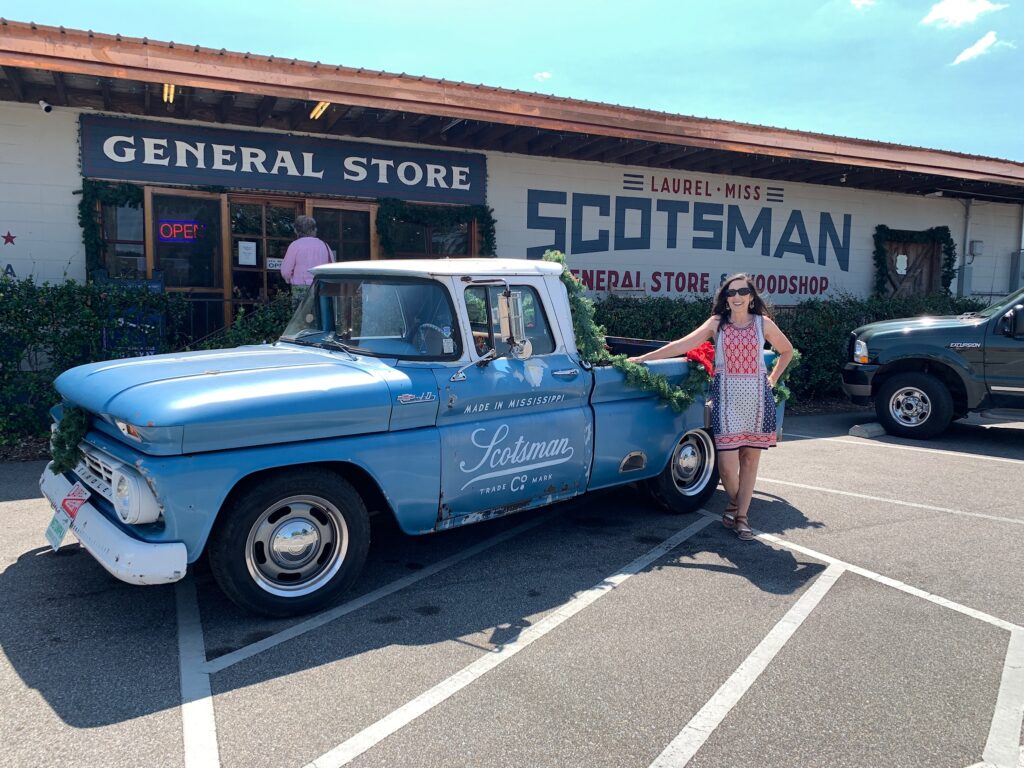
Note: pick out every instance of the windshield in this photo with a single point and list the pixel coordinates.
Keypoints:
(1003, 304)
(381, 316)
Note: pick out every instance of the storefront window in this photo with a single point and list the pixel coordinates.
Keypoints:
(260, 234)
(346, 232)
(124, 243)
(422, 241)
(186, 240)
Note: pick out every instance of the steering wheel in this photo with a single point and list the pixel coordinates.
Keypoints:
(424, 343)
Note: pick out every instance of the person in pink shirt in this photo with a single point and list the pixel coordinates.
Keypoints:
(304, 253)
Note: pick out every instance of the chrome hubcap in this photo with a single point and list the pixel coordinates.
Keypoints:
(296, 546)
(910, 406)
(692, 462)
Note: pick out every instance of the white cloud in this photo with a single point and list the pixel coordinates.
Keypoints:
(956, 13)
(976, 50)
(540, 77)
(861, 4)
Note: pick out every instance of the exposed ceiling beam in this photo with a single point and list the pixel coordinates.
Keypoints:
(298, 115)
(623, 154)
(14, 78)
(186, 102)
(598, 145)
(265, 108)
(62, 91)
(105, 91)
(336, 114)
(225, 103)
(544, 142)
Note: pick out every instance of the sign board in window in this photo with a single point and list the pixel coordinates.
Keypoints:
(169, 231)
(246, 253)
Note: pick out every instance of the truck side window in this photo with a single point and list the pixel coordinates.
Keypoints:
(482, 306)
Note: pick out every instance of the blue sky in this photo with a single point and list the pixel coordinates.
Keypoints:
(944, 75)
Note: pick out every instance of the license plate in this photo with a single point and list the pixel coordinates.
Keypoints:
(64, 512)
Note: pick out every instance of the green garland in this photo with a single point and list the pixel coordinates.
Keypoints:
(103, 193)
(934, 235)
(391, 211)
(590, 341)
(73, 425)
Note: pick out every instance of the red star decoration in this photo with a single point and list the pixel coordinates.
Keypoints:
(8, 238)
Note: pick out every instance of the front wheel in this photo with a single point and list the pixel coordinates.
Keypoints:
(690, 477)
(914, 404)
(292, 544)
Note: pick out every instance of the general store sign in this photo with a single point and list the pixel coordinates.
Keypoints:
(170, 153)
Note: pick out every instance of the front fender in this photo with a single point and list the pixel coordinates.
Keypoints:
(912, 356)
(191, 489)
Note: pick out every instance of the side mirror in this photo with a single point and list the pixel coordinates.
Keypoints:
(1012, 323)
(513, 324)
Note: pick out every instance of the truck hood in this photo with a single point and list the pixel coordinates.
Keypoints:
(966, 325)
(205, 401)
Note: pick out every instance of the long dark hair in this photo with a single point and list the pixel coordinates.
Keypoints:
(721, 305)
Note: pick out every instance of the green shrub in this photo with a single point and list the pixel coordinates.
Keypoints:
(259, 326)
(47, 328)
(819, 328)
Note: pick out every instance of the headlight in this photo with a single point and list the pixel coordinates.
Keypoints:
(860, 352)
(133, 500)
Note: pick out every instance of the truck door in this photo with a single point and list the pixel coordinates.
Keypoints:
(1004, 361)
(514, 433)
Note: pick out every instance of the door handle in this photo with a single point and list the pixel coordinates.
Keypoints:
(568, 373)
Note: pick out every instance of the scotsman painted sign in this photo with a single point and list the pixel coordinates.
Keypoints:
(174, 153)
(667, 233)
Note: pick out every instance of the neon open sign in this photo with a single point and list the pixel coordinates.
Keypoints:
(170, 231)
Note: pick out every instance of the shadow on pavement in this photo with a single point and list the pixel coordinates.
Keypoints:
(100, 651)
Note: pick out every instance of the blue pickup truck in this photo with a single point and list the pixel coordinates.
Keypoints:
(442, 392)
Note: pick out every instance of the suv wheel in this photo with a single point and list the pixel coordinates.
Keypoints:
(915, 405)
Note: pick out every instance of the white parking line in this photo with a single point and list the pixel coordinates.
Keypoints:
(1003, 746)
(374, 734)
(862, 443)
(230, 659)
(684, 746)
(995, 621)
(893, 501)
(198, 724)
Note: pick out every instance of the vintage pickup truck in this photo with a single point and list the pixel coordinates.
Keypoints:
(441, 392)
(920, 373)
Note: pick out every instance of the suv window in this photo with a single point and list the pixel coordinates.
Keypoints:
(482, 304)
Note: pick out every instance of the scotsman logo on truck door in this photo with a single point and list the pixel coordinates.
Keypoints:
(510, 458)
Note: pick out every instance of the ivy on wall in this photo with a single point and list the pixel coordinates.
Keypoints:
(934, 235)
(95, 193)
(391, 211)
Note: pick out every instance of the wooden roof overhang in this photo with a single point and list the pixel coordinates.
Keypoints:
(126, 75)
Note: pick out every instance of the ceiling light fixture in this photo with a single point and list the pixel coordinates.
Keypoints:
(169, 93)
(319, 109)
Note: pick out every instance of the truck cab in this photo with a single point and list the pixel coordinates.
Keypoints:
(922, 373)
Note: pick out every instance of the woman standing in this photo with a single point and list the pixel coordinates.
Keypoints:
(743, 409)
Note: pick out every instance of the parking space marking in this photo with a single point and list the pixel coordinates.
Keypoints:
(389, 724)
(995, 621)
(892, 501)
(198, 724)
(1003, 746)
(230, 659)
(684, 746)
(862, 443)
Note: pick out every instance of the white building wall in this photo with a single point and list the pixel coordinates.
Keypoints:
(511, 177)
(38, 177)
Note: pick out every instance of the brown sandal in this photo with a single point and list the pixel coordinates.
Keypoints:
(743, 530)
(729, 516)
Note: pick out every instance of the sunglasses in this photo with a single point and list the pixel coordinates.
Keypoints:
(734, 291)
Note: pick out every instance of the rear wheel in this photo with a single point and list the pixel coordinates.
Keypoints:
(914, 404)
(690, 477)
(291, 545)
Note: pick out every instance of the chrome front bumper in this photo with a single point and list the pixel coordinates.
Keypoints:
(125, 557)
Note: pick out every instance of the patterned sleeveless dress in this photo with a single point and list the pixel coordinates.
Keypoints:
(743, 409)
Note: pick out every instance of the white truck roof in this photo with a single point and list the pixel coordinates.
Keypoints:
(441, 267)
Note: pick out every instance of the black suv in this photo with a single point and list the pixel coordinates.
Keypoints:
(921, 373)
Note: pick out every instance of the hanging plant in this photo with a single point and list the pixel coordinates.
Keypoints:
(391, 211)
(590, 341)
(940, 235)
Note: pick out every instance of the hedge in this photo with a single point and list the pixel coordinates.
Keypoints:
(46, 329)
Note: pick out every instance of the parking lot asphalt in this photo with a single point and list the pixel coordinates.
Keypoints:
(878, 619)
